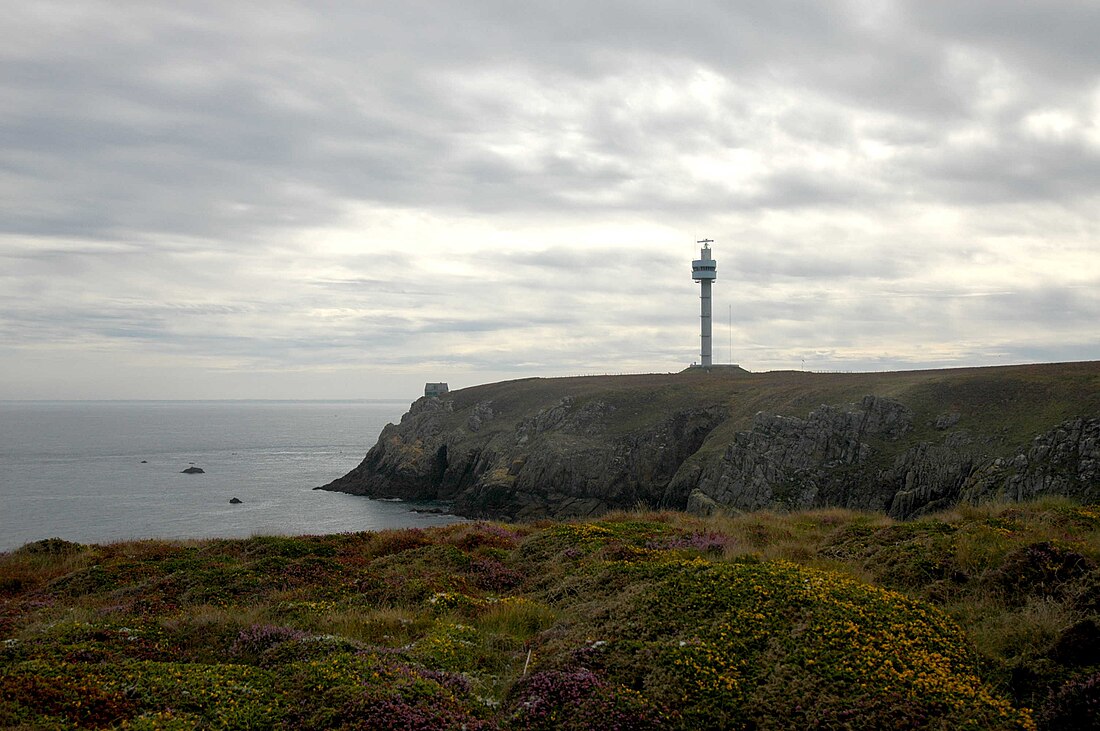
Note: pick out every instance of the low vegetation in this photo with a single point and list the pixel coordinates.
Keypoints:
(984, 618)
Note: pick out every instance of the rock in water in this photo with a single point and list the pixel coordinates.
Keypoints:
(235, 501)
(193, 471)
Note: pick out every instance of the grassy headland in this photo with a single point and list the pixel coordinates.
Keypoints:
(906, 443)
(1014, 402)
(983, 618)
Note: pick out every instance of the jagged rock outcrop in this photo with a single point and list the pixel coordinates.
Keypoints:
(558, 461)
(701, 504)
(798, 463)
(1063, 461)
(736, 442)
(834, 457)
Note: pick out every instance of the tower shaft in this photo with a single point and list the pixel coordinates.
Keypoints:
(704, 322)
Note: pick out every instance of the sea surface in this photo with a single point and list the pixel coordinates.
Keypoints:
(103, 471)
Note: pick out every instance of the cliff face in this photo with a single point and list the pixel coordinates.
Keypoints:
(911, 443)
(841, 457)
(795, 463)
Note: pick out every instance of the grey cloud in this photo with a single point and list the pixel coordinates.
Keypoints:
(810, 261)
(382, 286)
(1014, 170)
(223, 153)
(1054, 40)
(279, 126)
(583, 261)
(1051, 303)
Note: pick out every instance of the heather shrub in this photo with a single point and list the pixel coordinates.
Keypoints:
(711, 543)
(576, 699)
(491, 574)
(1037, 570)
(253, 641)
(367, 693)
(1073, 707)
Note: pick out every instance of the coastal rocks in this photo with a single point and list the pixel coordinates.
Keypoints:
(1063, 461)
(575, 473)
(408, 459)
(701, 504)
(947, 420)
(558, 461)
(193, 471)
(798, 463)
(929, 477)
(589, 419)
(579, 447)
(482, 412)
(235, 501)
(838, 457)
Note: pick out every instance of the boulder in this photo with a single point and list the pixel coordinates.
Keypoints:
(701, 504)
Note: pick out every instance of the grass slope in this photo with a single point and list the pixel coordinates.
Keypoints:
(827, 619)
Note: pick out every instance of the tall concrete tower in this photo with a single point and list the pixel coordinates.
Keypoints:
(704, 270)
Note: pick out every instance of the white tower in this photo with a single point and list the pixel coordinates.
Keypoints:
(704, 270)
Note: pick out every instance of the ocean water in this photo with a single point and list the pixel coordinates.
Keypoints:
(106, 471)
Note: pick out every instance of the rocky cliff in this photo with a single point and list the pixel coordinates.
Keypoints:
(905, 443)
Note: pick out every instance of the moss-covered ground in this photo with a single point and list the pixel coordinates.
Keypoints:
(985, 618)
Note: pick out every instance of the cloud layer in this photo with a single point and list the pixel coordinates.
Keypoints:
(293, 200)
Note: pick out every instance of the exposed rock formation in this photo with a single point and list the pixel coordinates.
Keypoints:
(798, 463)
(1063, 461)
(835, 458)
(556, 461)
(579, 447)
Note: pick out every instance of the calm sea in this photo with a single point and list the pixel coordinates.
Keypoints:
(105, 471)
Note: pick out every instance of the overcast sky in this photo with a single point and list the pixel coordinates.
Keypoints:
(345, 200)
